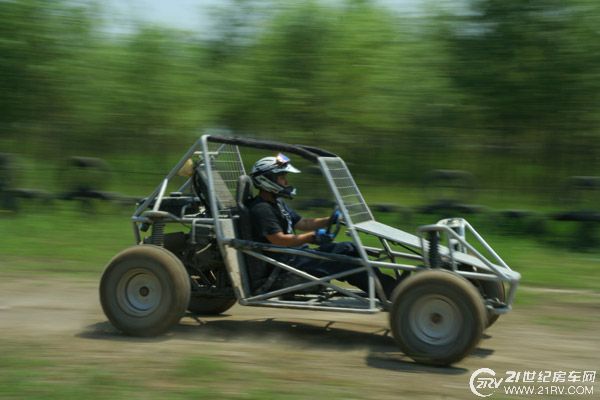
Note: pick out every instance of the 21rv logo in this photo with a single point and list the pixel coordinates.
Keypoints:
(487, 383)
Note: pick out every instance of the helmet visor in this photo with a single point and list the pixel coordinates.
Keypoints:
(283, 164)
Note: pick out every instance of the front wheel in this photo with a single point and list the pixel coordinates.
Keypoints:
(144, 290)
(495, 291)
(437, 317)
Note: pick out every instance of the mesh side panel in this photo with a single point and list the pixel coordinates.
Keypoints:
(350, 196)
(227, 167)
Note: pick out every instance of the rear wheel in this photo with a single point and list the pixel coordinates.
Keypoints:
(437, 317)
(212, 293)
(144, 290)
(210, 305)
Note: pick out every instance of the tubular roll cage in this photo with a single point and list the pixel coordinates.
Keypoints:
(357, 218)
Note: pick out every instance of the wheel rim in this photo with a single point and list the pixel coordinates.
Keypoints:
(435, 320)
(139, 292)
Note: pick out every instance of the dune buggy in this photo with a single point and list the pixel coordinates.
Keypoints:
(194, 252)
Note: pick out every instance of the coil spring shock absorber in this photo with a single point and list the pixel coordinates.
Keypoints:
(158, 233)
(434, 251)
(158, 219)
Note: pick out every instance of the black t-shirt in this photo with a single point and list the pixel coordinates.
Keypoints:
(270, 218)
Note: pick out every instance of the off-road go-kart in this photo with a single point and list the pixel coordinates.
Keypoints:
(206, 260)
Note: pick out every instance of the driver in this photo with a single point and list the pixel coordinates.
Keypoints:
(273, 221)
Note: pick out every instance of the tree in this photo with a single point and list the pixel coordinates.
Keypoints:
(530, 68)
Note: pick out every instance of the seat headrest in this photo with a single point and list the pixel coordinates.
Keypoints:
(244, 190)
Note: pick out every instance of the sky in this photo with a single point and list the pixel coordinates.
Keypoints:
(195, 15)
(191, 15)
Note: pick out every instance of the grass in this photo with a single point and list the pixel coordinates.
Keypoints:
(62, 240)
(32, 371)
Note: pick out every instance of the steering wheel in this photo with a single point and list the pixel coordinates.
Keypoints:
(334, 228)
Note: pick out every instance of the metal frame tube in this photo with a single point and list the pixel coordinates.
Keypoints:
(482, 258)
(200, 147)
(136, 233)
(315, 281)
(211, 191)
(170, 175)
(350, 228)
(502, 272)
(404, 267)
(185, 185)
(161, 194)
(249, 245)
(305, 306)
(395, 254)
(409, 256)
(486, 245)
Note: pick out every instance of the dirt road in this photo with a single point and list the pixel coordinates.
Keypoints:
(301, 349)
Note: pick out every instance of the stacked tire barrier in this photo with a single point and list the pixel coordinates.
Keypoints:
(447, 193)
(80, 179)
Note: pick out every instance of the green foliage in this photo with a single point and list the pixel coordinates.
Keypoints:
(506, 89)
(526, 69)
(30, 46)
(530, 70)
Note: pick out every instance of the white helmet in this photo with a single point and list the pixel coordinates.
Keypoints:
(265, 171)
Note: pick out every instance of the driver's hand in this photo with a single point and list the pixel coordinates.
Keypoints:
(335, 217)
(323, 237)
